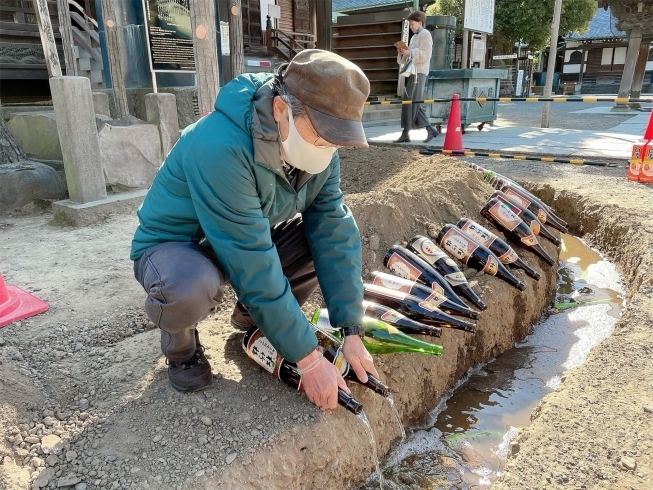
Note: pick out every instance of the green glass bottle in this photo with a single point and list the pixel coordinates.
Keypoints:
(381, 338)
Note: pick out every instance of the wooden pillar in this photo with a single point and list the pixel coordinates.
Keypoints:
(67, 37)
(640, 71)
(313, 8)
(203, 22)
(634, 42)
(236, 38)
(47, 38)
(323, 24)
(115, 61)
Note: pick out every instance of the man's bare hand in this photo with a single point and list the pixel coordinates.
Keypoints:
(358, 358)
(321, 383)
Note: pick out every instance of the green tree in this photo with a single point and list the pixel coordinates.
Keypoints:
(528, 20)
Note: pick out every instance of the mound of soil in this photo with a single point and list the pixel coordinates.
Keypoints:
(90, 372)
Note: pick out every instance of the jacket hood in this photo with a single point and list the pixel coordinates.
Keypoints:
(247, 101)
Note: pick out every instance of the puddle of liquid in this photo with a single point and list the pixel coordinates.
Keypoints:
(467, 441)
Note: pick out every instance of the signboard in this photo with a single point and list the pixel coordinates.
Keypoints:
(47, 38)
(505, 57)
(478, 50)
(169, 35)
(519, 86)
(224, 38)
(479, 16)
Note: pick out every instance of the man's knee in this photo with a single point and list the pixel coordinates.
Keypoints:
(181, 303)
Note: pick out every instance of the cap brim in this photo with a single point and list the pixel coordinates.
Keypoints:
(341, 132)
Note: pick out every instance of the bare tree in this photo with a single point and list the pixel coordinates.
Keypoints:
(10, 152)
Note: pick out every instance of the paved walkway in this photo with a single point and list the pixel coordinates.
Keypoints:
(613, 143)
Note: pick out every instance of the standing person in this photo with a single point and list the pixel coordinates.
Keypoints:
(413, 116)
(250, 194)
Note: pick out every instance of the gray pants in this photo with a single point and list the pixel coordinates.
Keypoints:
(183, 281)
(413, 116)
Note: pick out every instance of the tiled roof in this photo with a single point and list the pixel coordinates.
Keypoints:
(343, 5)
(602, 26)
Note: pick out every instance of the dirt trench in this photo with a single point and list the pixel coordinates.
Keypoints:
(90, 372)
(596, 430)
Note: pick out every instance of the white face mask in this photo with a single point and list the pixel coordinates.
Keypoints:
(301, 154)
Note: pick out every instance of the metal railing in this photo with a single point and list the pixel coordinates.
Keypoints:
(288, 44)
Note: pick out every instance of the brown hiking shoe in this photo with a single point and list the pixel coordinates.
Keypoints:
(240, 318)
(191, 375)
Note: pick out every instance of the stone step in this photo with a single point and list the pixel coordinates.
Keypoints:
(382, 122)
(381, 115)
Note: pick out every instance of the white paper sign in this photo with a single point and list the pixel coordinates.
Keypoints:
(224, 37)
(520, 83)
(478, 51)
(479, 16)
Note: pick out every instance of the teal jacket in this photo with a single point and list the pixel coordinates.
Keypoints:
(224, 180)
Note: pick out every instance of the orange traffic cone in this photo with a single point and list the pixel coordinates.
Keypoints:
(453, 140)
(16, 304)
(648, 134)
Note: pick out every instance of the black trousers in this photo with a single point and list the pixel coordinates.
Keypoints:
(184, 282)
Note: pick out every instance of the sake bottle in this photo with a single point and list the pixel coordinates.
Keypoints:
(537, 227)
(381, 338)
(544, 215)
(330, 344)
(406, 264)
(396, 319)
(503, 217)
(259, 348)
(434, 255)
(404, 303)
(431, 300)
(475, 255)
(498, 247)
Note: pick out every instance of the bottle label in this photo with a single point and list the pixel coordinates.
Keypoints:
(535, 226)
(541, 215)
(429, 250)
(515, 196)
(391, 282)
(492, 265)
(530, 240)
(455, 279)
(401, 267)
(458, 244)
(437, 288)
(479, 233)
(509, 257)
(261, 351)
(339, 362)
(505, 216)
(392, 316)
(433, 302)
(388, 293)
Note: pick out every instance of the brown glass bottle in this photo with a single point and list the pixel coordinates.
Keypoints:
(474, 255)
(515, 228)
(516, 195)
(526, 215)
(503, 251)
(404, 303)
(259, 348)
(434, 255)
(431, 300)
(404, 263)
(401, 322)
